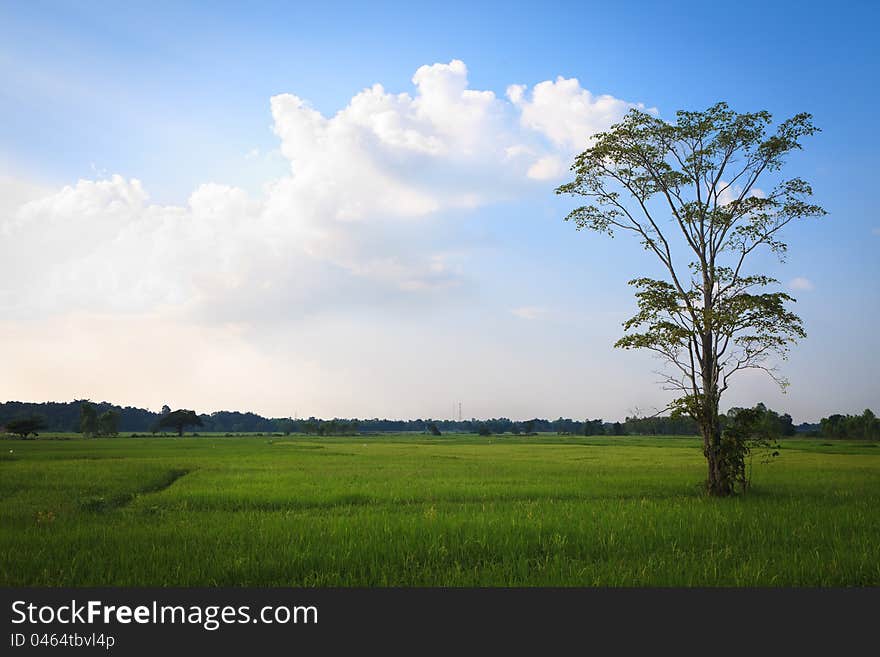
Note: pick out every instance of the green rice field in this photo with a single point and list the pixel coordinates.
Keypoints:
(410, 510)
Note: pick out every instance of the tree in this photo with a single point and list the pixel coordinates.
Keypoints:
(433, 429)
(594, 427)
(108, 423)
(766, 421)
(865, 426)
(786, 425)
(484, 429)
(869, 425)
(24, 427)
(709, 319)
(179, 419)
(286, 426)
(746, 430)
(88, 419)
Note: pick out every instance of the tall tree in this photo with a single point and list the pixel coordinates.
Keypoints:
(88, 419)
(707, 318)
(108, 423)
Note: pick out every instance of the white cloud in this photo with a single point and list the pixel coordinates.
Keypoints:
(801, 283)
(350, 222)
(546, 168)
(567, 113)
(529, 312)
(729, 193)
(15, 192)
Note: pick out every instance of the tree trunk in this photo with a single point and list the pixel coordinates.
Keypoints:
(716, 485)
(719, 482)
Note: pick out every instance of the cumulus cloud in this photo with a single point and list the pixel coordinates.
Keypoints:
(352, 219)
(801, 283)
(15, 192)
(567, 113)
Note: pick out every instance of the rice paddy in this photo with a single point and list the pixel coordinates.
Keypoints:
(409, 510)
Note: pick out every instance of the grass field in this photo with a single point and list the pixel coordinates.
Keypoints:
(404, 510)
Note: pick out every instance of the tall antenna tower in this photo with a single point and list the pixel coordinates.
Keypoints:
(459, 411)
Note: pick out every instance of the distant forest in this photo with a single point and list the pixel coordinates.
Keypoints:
(68, 417)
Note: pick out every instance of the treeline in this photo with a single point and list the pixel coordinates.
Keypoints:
(104, 418)
(65, 417)
(563, 426)
(855, 427)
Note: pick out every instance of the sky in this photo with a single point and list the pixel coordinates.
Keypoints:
(348, 210)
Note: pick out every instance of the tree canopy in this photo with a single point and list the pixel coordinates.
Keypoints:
(26, 426)
(178, 420)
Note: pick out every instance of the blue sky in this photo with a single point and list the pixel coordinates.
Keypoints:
(504, 307)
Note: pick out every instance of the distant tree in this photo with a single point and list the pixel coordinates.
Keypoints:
(858, 427)
(766, 421)
(108, 423)
(286, 426)
(833, 426)
(433, 429)
(687, 191)
(484, 429)
(496, 426)
(88, 419)
(869, 425)
(617, 429)
(594, 427)
(786, 425)
(26, 426)
(166, 409)
(659, 425)
(529, 427)
(179, 419)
